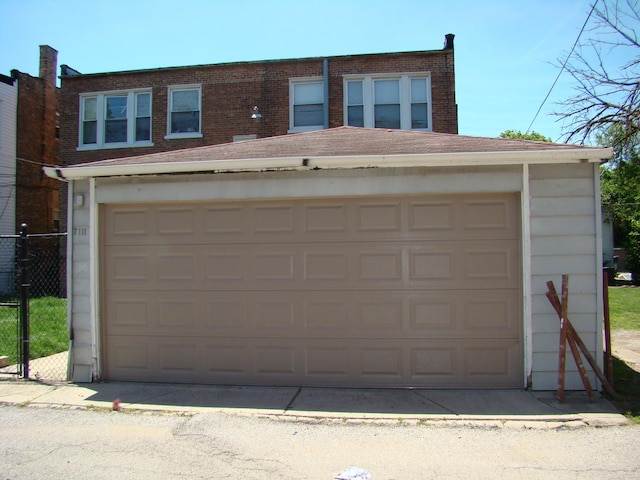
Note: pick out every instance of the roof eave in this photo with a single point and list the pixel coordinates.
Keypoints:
(460, 159)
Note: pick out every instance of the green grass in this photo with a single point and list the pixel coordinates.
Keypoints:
(47, 327)
(626, 383)
(624, 307)
(624, 312)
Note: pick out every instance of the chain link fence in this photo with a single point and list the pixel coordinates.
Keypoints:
(47, 330)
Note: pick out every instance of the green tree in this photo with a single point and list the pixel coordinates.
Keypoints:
(518, 135)
(620, 184)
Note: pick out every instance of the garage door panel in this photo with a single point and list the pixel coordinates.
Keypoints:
(494, 363)
(350, 314)
(363, 219)
(496, 216)
(398, 363)
(328, 361)
(330, 219)
(315, 266)
(228, 358)
(388, 291)
(176, 267)
(173, 221)
(379, 218)
(179, 313)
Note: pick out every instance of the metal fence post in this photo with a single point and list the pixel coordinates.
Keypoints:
(24, 298)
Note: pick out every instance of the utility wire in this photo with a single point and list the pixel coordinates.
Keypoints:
(563, 66)
(33, 162)
(6, 204)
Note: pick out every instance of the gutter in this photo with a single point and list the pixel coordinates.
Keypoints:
(464, 159)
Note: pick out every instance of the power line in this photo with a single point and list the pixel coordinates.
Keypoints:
(6, 204)
(563, 65)
(34, 162)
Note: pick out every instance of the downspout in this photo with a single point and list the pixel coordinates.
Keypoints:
(325, 75)
(527, 299)
(70, 214)
(94, 281)
(599, 325)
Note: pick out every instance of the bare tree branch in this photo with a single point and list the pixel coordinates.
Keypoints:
(606, 69)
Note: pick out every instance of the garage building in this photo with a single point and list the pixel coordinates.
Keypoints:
(343, 257)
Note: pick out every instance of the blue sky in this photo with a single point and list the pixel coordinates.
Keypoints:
(506, 51)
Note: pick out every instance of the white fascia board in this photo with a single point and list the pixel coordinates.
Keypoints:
(560, 156)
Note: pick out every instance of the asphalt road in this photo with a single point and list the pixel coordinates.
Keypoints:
(53, 443)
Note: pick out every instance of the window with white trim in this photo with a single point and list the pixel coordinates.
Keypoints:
(388, 101)
(115, 119)
(306, 104)
(184, 118)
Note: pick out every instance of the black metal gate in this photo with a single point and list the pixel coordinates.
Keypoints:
(32, 274)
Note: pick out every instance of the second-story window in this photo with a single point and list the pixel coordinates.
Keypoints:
(89, 124)
(388, 101)
(115, 119)
(184, 111)
(306, 104)
(143, 117)
(115, 122)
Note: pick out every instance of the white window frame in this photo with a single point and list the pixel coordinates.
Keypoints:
(297, 81)
(405, 98)
(101, 98)
(177, 88)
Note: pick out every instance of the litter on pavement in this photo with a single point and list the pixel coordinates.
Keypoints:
(353, 473)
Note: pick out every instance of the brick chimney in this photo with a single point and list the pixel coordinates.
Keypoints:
(448, 41)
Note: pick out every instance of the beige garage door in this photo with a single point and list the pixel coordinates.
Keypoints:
(408, 291)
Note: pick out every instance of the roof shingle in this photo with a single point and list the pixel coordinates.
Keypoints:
(340, 142)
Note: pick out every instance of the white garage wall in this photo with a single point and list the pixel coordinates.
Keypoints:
(84, 345)
(563, 241)
(562, 226)
(327, 183)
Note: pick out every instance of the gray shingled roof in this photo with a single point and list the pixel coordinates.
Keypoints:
(338, 148)
(341, 142)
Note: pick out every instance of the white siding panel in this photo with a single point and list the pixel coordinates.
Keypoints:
(551, 324)
(555, 172)
(81, 317)
(577, 283)
(8, 105)
(563, 241)
(546, 323)
(563, 187)
(549, 363)
(578, 304)
(550, 342)
(83, 336)
(550, 245)
(8, 126)
(554, 265)
(568, 225)
(81, 306)
(550, 380)
(561, 206)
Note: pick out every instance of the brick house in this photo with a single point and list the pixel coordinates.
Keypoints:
(121, 114)
(28, 141)
(184, 107)
(37, 144)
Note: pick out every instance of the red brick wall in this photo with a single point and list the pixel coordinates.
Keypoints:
(37, 200)
(229, 92)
